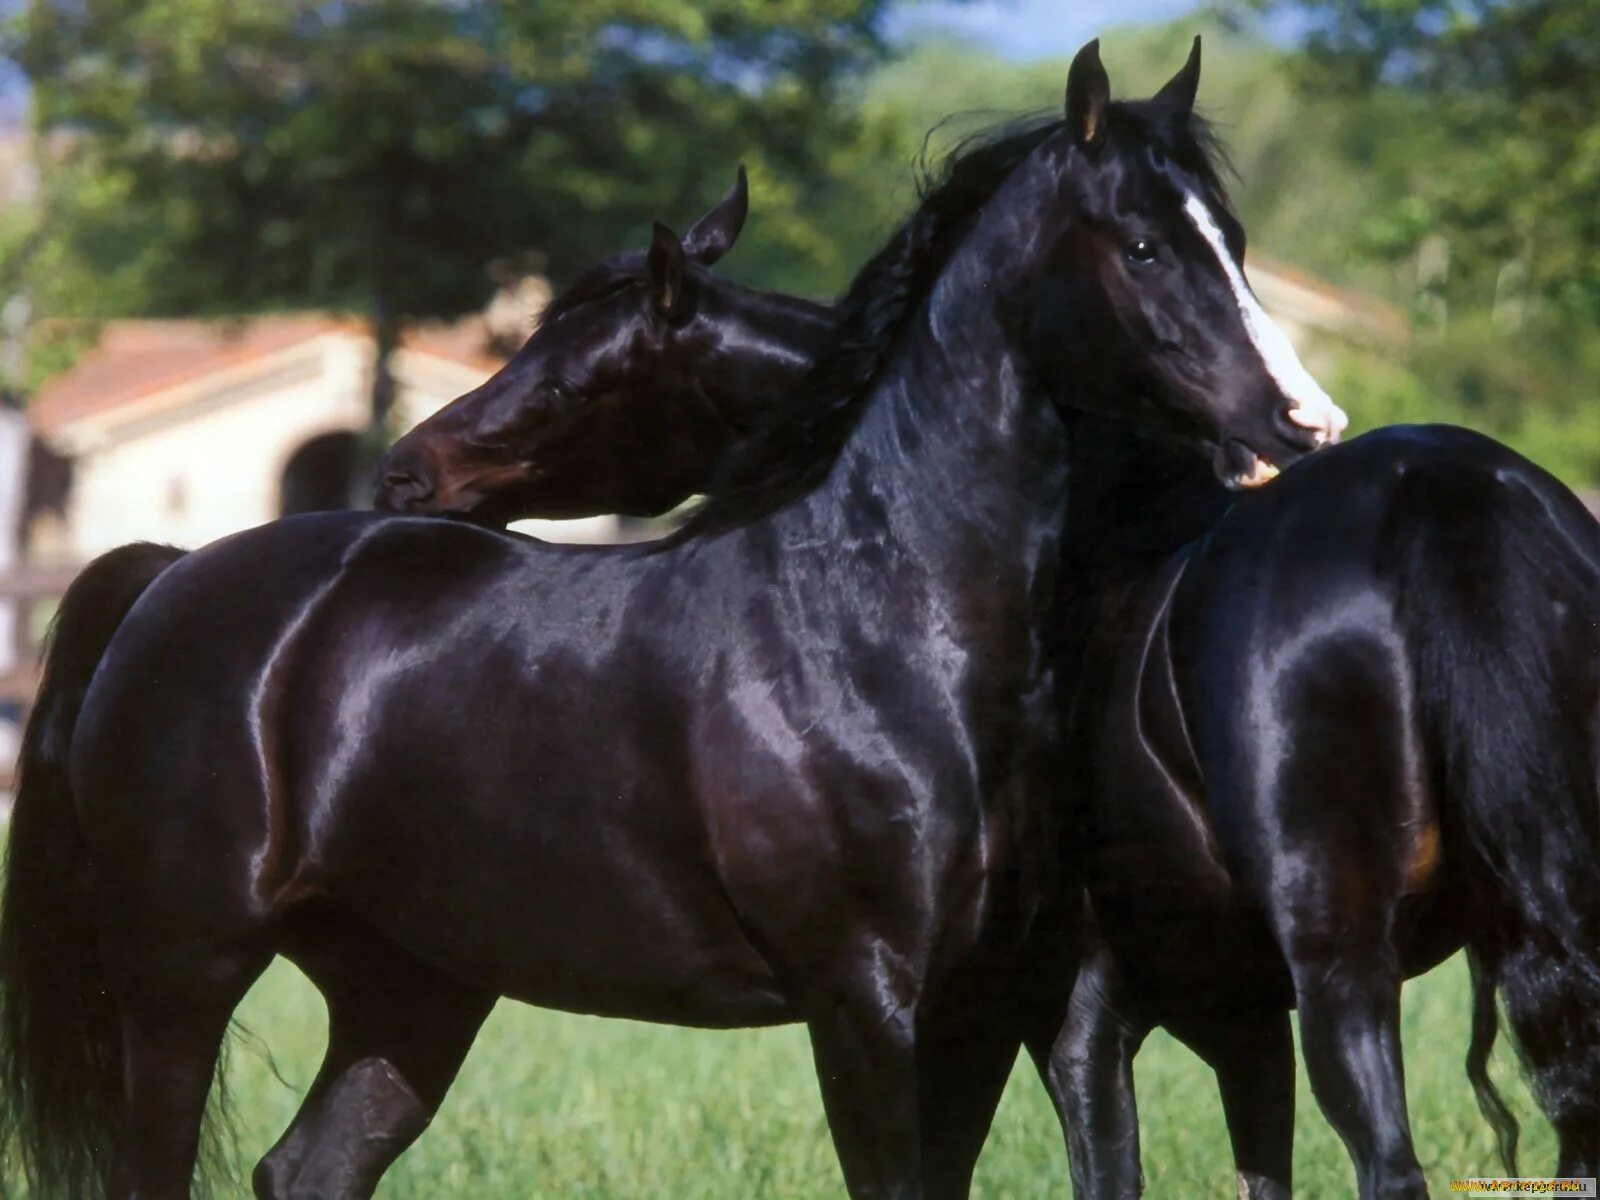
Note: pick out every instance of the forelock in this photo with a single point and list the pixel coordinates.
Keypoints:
(1188, 141)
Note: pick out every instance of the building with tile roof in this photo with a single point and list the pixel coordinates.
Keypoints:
(184, 431)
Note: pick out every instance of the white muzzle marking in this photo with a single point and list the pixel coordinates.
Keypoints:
(1309, 406)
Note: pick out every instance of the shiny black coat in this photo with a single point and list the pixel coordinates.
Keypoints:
(799, 763)
(1351, 727)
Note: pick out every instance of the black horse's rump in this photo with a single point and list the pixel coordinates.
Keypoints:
(60, 1066)
(1357, 733)
(1506, 599)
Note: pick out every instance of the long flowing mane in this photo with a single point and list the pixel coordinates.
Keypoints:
(794, 450)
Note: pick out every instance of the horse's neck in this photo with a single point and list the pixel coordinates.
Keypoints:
(769, 352)
(952, 460)
(1136, 505)
(790, 332)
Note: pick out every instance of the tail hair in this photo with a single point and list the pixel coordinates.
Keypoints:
(1485, 1032)
(60, 1052)
(1502, 588)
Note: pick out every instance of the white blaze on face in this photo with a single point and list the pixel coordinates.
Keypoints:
(1310, 406)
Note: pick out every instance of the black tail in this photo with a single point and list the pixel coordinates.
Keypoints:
(60, 1058)
(1503, 590)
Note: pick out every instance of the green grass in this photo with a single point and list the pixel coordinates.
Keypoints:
(555, 1105)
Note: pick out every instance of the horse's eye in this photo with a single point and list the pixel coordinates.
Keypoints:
(1142, 252)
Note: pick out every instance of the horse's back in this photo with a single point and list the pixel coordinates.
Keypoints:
(184, 703)
(375, 713)
(1382, 539)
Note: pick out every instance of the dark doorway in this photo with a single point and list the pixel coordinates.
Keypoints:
(322, 475)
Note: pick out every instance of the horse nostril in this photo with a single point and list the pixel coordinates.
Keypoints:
(404, 490)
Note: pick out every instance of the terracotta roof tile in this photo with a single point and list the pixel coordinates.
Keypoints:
(139, 358)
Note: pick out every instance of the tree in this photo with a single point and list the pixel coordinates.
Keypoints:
(1515, 84)
(382, 155)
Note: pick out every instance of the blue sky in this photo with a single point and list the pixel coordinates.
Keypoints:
(1032, 28)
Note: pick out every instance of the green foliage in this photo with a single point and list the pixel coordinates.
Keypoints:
(227, 156)
(1515, 87)
(871, 179)
(1317, 176)
(1534, 389)
(233, 155)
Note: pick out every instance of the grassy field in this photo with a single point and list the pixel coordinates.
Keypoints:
(554, 1105)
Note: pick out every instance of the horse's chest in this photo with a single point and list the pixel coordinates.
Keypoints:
(830, 814)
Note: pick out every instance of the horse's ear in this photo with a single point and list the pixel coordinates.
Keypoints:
(1179, 93)
(668, 279)
(714, 234)
(1088, 96)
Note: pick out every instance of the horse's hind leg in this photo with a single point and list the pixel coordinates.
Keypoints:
(1252, 1054)
(1327, 843)
(172, 1030)
(398, 1031)
(1347, 987)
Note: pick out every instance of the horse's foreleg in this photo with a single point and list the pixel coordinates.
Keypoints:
(1090, 1078)
(1252, 1053)
(865, 1051)
(398, 1031)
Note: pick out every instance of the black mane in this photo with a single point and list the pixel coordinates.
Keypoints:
(796, 447)
(1192, 143)
(605, 278)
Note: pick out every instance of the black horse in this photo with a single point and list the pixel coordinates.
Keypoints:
(823, 784)
(1351, 728)
(631, 417)
(1475, 552)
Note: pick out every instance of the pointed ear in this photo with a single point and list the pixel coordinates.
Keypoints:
(714, 234)
(1088, 96)
(1179, 93)
(667, 276)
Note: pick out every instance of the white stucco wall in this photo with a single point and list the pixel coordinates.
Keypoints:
(197, 463)
(206, 461)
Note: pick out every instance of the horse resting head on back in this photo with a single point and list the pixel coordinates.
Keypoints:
(608, 408)
(646, 373)
(829, 719)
